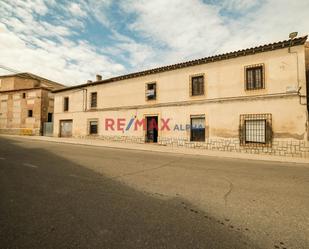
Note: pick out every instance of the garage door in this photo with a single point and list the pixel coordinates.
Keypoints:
(66, 128)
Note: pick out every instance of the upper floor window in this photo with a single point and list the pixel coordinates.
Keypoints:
(255, 77)
(24, 95)
(93, 100)
(66, 104)
(197, 85)
(151, 91)
(30, 113)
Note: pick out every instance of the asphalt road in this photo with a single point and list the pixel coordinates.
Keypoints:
(50, 202)
(53, 196)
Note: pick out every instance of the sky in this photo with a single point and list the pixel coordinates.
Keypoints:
(72, 41)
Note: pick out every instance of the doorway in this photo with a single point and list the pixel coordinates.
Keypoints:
(152, 129)
(66, 128)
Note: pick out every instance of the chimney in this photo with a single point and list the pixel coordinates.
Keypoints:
(89, 81)
(99, 77)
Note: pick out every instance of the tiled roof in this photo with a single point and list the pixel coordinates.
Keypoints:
(249, 51)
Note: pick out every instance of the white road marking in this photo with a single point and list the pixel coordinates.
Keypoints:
(30, 165)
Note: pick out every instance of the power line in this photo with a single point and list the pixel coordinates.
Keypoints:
(9, 69)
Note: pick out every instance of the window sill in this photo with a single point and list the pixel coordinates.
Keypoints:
(254, 145)
(255, 89)
(197, 96)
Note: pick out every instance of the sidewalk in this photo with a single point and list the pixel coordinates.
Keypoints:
(161, 148)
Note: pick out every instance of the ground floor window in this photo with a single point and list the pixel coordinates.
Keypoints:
(93, 127)
(197, 128)
(255, 129)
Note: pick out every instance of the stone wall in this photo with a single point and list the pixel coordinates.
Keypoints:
(124, 139)
(285, 148)
(288, 148)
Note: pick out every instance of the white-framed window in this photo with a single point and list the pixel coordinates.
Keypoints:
(255, 129)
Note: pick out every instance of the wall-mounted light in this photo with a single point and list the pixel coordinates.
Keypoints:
(293, 35)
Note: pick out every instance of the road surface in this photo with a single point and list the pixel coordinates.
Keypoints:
(71, 196)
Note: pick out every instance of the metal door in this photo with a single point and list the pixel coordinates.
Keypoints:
(66, 128)
(48, 129)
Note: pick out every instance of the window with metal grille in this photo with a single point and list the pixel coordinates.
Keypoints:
(255, 77)
(197, 129)
(197, 85)
(255, 129)
(151, 91)
(93, 100)
(66, 104)
(93, 127)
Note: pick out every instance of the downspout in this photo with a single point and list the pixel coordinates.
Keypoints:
(298, 81)
(299, 88)
(85, 91)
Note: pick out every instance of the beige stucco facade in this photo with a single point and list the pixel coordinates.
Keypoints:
(20, 94)
(225, 99)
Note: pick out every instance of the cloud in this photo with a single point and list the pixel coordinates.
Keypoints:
(183, 27)
(77, 10)
(194, 28)
(71, 63)
(29, 43)
(71, 41)
(238, 5)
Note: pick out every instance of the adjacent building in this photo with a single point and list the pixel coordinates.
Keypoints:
(26, 103)
(253, 100)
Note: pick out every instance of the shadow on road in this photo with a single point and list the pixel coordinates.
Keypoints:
(50, 202)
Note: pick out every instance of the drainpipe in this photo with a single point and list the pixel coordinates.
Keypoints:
(85, 94)
(298, 80)
(299, 88)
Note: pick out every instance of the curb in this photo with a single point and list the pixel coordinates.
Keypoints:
(154, 148)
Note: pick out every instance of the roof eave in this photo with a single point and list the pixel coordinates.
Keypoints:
(245, 52)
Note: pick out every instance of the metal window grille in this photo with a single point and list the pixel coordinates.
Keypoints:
(93, 101)
(197, 129)
(93, 127)
(255, 129)
(197, 85)
(255, 77)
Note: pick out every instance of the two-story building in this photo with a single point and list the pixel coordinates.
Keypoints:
(253, 100)
(26, 103)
